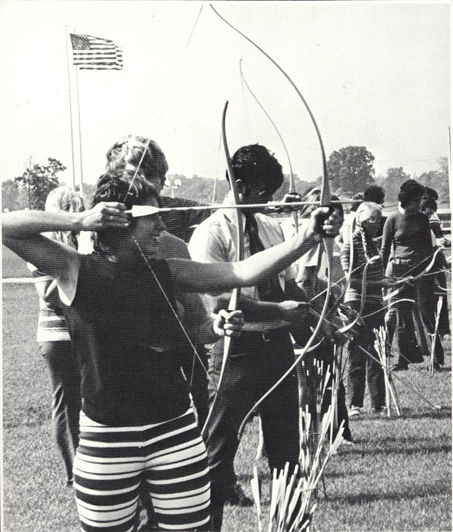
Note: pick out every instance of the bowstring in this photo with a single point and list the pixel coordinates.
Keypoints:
(175, 314)
(137, 170)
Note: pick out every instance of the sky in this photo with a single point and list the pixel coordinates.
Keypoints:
(375, 74)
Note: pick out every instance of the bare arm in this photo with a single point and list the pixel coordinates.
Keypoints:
(22, 234)
(200, 277)
(254, 310)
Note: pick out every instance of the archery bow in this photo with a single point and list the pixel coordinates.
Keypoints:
(417, 277)
(240, 256)
(325, 200)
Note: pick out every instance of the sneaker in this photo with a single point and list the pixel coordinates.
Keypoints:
(355, 411)
(381, 411)
(235, 496)
(345, 441)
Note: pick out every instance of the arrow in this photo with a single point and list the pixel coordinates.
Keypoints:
(148, 210)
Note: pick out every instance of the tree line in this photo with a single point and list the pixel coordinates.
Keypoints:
(351, 170)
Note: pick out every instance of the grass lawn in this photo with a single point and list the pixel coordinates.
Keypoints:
(12, 265)
(397, 476)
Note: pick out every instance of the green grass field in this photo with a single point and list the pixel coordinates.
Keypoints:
(12, 265)
(397, 476)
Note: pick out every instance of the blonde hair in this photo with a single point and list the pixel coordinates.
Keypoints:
(65, 199)
(366, 210)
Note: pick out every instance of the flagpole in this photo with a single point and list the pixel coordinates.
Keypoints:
(70, 108)
(80, 130)
(449, 163)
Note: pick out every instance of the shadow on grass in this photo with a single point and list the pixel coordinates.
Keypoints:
(391, 496)
(444, 413)
(394, 445)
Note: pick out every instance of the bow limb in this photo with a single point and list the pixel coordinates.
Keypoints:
(292, 184)
(240, 256)
(286, 76)
(417, 277)
(326, 187)
(428, 268)
(325, 201)
(389, 305)
(430, 265)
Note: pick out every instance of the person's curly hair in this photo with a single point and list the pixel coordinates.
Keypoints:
(256, 164)
(116, 186)
(431, 193)
(375, 194)
(428, 202)
(127, 153)
(410, 190)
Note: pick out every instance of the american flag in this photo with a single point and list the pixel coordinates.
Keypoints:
(94, 53)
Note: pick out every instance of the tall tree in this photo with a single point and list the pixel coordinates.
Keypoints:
(13, 198)
(351, 169)
(438, 180)
(393, 181)
(38, 180)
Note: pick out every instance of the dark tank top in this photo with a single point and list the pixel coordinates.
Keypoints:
(127, 343)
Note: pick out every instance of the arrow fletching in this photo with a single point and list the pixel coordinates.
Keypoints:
(142, 210)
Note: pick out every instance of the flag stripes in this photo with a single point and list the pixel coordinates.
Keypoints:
(94, 53)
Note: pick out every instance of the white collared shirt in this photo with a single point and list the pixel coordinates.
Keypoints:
(215, 240)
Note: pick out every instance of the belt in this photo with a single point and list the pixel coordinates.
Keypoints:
(401, 262)
(267, 330)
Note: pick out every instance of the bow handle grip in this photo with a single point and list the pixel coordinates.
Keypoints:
(320, 219)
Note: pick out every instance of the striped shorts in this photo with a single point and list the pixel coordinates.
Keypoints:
(169, 457)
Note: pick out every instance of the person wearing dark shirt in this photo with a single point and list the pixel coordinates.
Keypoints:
(406, 250)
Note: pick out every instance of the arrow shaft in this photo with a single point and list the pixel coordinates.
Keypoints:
(157, 210)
